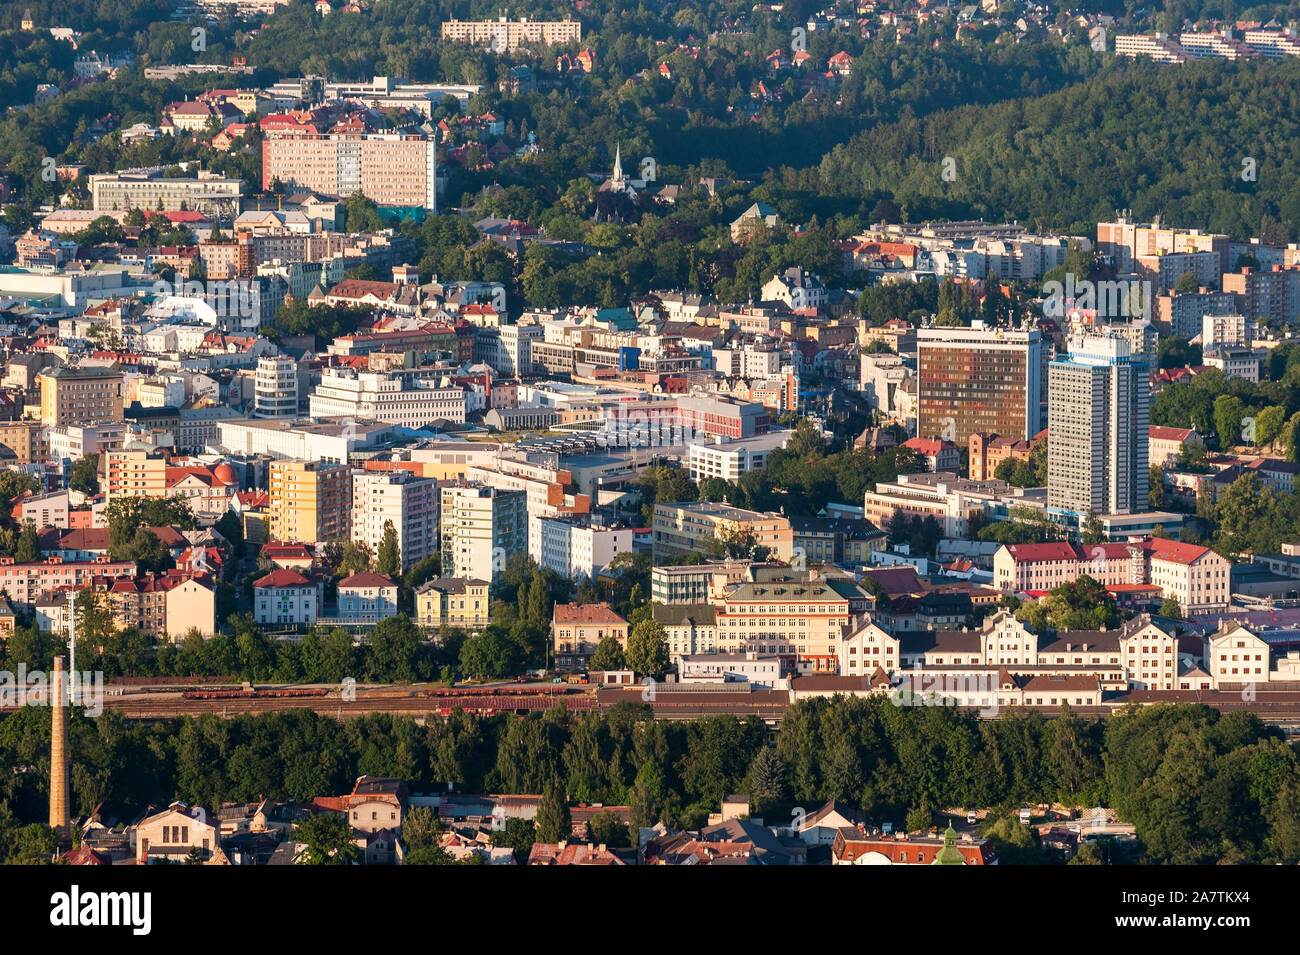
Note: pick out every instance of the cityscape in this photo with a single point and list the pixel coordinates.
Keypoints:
(681, 434)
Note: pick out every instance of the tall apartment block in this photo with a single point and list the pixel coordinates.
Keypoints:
(1181, 315)
(1098, 428)
(503, 34)
(275, 387)
(311, 501)
(86, 395)
(1269, 297)
(979, 380)
(481, 527)
(409, 503)
(393, 169)
(134, 474)
(1124, 242)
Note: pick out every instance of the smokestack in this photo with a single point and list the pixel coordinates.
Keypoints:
(58, 753)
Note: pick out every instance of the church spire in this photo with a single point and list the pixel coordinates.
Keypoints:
(618, 163)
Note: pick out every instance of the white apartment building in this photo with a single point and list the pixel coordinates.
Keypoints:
(1157, 47)
(728, 460)
(543, 485)
(576, 549)
(1124, 241)
(70, 441)
(1273, 44)
(1238, 655)
(409, 503)
(1224, 330)
(889, 385)
(404, 398)
(162, 391)
(502, 34)
(275, 387)
(748, 362)
(1164, 269)
(1217, 46)
(1234, 362)
(512, 356)
(480, 528)
(45, 510)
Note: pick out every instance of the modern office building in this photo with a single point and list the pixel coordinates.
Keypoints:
(150, 191)
(406, 398)
(979, 379)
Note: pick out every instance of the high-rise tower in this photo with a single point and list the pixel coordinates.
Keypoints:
(1098, 421)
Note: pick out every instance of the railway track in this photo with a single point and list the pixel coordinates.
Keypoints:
(156, 701)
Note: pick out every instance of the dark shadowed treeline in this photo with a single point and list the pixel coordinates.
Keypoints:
(1200, 787)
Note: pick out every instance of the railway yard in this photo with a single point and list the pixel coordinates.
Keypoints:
(162, 699)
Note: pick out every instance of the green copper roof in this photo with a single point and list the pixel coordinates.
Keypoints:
(949, 854)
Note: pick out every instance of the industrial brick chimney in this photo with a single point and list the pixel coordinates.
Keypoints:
(59, 821)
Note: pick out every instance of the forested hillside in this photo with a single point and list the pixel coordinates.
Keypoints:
(1140, 136)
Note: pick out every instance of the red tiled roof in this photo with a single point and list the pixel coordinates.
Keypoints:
(1176, 551)
(283, 578)
(275, 549)
(366, 579)
(586, 613)
(1054, 550)
(926, 446)
(360, 288)
(1161, 433)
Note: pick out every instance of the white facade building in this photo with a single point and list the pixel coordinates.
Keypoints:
(576, 550)
(403, 398)
(275, 389)
(1098, 428)
(409, 503)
